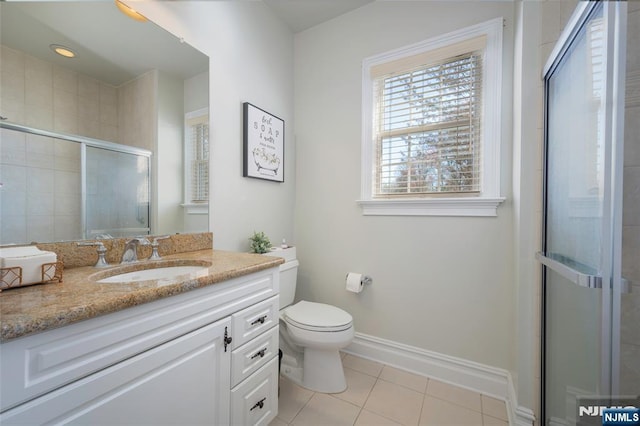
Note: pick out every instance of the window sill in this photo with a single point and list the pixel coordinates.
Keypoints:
(192, 208)
(484, 207)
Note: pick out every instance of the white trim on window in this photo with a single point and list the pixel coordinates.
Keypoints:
(478, 206)
(192, 208)
(487, 201)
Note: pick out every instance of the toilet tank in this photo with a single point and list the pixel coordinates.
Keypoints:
(288, 274)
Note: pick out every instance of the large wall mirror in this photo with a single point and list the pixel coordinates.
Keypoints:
(110, 143)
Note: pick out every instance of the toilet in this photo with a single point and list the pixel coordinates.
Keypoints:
(311, 334)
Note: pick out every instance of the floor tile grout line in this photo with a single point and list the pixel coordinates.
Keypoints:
(358, 416)
(343, 400)
(367, 360)
(424, 400)
(370, 392)
(487, 414)
(302, 408)
(455, 403)
(378, 379)
(350, 403)
(403, 386)
(410, 373)
(367, 399)
(493, 417)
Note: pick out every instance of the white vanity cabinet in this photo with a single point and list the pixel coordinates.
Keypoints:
(178, 360)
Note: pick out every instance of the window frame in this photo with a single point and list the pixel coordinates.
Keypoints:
(484, 203)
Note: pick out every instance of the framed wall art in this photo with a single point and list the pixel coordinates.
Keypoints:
(263, 144)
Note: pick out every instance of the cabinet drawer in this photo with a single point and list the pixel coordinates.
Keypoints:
(254, 320)
(253, 355)
(255, 401)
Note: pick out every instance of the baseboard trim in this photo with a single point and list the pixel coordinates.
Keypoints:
(491, 381)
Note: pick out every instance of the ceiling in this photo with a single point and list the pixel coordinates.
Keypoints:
(300, 15)
(115, 49)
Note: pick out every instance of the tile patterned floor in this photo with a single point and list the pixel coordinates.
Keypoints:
(381, 395)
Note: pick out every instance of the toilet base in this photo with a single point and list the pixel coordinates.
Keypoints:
(324, 374)
(322, 371)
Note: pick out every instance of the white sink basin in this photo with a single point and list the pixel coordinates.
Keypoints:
(156, 274)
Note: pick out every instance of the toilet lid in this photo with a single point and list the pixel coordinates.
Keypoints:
(317, 317)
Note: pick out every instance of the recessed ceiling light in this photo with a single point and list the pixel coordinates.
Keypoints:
(131, 13)
(62, 50)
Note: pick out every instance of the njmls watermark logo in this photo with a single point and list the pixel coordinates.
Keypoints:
(608, 411)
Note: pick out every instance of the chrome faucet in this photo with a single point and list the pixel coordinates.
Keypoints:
(154, 246)
(102, 262)
(130, 254)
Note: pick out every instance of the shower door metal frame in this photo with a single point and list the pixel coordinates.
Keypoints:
(609, 281)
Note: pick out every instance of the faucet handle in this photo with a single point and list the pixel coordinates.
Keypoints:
(154, 245)
(102, 250)
(156, 239)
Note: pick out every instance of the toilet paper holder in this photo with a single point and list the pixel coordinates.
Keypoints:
(366, 279)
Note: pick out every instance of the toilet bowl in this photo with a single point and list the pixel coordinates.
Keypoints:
(319, 331)
(311, 334)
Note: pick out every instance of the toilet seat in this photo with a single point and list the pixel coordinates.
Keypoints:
(318, 317)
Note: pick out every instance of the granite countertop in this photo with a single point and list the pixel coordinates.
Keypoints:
(37, 308)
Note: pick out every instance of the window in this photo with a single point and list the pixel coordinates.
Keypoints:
(431, 126)
(197, 158)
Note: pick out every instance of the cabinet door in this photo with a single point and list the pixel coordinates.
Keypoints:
(184, 381)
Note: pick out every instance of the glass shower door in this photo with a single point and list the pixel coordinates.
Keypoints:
(580, 257)
(117, 193)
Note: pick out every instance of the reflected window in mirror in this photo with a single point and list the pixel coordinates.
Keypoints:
(197, 157)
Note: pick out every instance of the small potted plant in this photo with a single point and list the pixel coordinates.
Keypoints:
(260, 242)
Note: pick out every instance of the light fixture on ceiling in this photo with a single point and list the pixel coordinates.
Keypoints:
(131, 13)
(62, 50)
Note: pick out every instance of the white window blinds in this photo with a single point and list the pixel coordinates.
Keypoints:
(197, 129)
(427, 118)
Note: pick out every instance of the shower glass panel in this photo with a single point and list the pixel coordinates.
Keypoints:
(117, 193)
(582, 282)
(573, 340)
(575, 153)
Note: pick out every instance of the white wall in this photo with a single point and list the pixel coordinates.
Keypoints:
(540, 25)
(196, 92)
(168, 162)
(527, 200)
(444, 284)
(251, 60)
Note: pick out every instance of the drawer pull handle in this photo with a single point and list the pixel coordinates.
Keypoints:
(259, 404)
(260, 320)
(260, 353)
